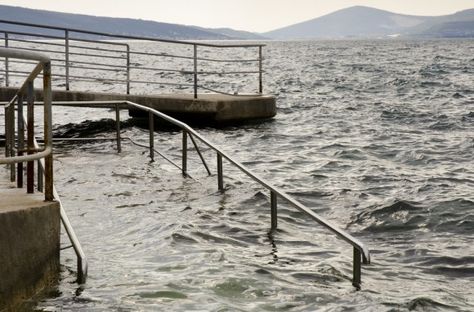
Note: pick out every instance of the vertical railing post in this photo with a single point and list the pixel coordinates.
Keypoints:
(128, 69)
(151, 125)
(260, 70)
(66, 56)
(117, 128)
(30, 165)
(48, 132)
(356, 280)
(7, 69)
(195, 72)
(274, 217)
(21, 140)
(184, 159)
(220, 173)
(40, 176)
(11, 135)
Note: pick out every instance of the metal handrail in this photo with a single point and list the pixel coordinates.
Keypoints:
(126, 54)
(44, 156)
(360, 252)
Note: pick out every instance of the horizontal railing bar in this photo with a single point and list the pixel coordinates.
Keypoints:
(15, 53)
(95, 49)
(36, 42)
(134, 37)
(161, 69)
(98, 55)
(37, 50)
(227, 61)
(94, 68)
(162, 55)
(227, 73)
(25, 158)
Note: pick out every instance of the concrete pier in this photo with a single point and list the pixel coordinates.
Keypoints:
(29, 243)
(217, 108)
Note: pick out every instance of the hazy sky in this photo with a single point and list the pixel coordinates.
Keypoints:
(251, 15)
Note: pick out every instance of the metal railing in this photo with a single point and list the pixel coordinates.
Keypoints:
(124, 63)
(17, 153)
(361, 253)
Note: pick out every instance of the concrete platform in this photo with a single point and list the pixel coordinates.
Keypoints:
(217, 108)
(29, 244)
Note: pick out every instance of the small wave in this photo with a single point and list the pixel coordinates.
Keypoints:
(426, 304)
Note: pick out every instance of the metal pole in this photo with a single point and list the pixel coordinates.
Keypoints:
(48, 132)
(199, 153)
(40, 176)
(128, 69)
(30, 166)
(260, 70)
(273, 203)
(356, 280)
(195, 73)
(151, 124)
(21, 140)
(117, 127)
(66, 39)
(220, 176)
(7, 76)
(11, 131)
(184, 167)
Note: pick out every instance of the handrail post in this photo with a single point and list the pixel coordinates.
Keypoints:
(11, 131)
(151, 125)
(273, 204)
(220, 175)
(356, 280)
(7, 69)
(184, 167)
(128, 69)
(30, 165)
(40, 176)
(117, 128)
(21, 140)
(195, 72)
(260, 70)
(48, 132)
(66, 52)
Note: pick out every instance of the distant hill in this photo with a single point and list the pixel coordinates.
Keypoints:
(366, 22)
(121, 26)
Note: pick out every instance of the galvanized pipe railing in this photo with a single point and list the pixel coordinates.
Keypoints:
(43, 155)
(126, 54)
(361, 253)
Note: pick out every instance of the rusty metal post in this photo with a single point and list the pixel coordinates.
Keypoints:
(7, 75)
(48, 132)
(220, 175)
(11, 135)
(274, 217)
(195, 72)
(184, 160)
(356, 280)
(40, 176)
(117, 127)
(151, 125)
(30, 165)
(260, 70)
(66, 57)
(21, 140)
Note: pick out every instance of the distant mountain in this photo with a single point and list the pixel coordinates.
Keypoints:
(238, 34)
(121, 26)
(366, 22)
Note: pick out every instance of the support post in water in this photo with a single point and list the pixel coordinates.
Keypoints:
(128, 69)
(48, 132)
(356, 268)
(40, 176)
(195, 72)
(220, 175)
(184, 167)
(30, 166)
(66, 57)
(260, 70)
(21, 140)
(117, 128)
(151, 125)
(7, 71)
(273, 204)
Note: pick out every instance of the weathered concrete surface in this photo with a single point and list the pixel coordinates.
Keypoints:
(29, 244)
(215, 107)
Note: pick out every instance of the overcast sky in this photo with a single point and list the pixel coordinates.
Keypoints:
(251, 15)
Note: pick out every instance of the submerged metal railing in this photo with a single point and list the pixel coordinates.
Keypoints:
(17, 153)
(82, 58)
(361, 253)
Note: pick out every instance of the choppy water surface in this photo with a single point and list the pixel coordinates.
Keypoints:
(376, 136)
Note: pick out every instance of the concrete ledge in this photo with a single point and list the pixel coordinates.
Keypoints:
(29, 244)
(214, 107)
